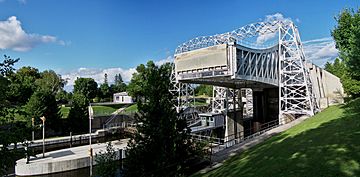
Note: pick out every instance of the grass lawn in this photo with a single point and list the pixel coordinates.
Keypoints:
(64, 111)
(106, 110)
(131, 109)
(327, 144)
(98, 110)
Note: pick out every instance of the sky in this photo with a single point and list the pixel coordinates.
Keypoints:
(88, 38)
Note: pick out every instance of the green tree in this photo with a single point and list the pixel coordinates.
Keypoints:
(104, 90)
(11, 129)
(204, 90)
(22, 84)
(78, 115)
(118, 86)
(339, 69)
(63, 97)
(161, 145)
(86, 86)
(106, 161)
(6, 67)
(347, 37)
(136, 84)
(50, 82)
(118, 79)
(43, 103)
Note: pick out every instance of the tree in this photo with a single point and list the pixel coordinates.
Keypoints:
(22, 84)
(105, 78)
(43, 103)
(136, 84)
(50, 82)
(106, 161)
(78, 115)
(118, 79)
(204, 90)
(104, 90)
(11, 129)
(347, 38)
(6, 67)
(63, 97)
(86, 86)
(339, 69)
(161, 146)
(118, 86)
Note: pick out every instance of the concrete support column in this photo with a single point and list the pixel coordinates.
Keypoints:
(258, 101)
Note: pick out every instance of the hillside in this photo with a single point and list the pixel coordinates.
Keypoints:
(99, 110)
(327, 144)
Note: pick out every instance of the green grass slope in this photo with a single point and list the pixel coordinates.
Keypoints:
(327, 144)
(99, 110)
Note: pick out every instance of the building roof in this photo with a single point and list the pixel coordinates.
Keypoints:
(121, 94)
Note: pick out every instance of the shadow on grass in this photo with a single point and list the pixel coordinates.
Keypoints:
(326, 145)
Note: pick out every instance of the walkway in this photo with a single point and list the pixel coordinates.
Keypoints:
(218, 158)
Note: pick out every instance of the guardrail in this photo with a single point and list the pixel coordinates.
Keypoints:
(237, 138)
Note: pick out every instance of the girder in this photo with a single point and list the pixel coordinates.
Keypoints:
(233, 65)
(238, 35)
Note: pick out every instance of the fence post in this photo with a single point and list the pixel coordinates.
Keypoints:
(70, 139)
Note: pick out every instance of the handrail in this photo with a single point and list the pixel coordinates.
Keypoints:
(230, 140)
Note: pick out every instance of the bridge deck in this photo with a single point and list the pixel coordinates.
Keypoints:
(229, 65)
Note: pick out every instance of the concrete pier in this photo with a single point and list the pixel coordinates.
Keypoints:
(65, 159)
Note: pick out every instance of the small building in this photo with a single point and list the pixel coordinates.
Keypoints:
(122, 97)
(212, 119)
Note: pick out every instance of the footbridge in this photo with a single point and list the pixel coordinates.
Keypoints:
(267, 82)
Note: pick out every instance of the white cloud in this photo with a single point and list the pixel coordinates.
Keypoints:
(13, 37)
(270, 18)
(98, 74)
(319, 51)
(163, 61)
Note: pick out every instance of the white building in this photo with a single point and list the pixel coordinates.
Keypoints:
(122, 97)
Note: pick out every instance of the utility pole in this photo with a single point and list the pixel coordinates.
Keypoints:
(43, 121)
(91, 113)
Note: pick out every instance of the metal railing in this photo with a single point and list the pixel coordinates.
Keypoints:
(239, 137)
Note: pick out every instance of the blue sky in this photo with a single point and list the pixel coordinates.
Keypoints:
(91, 37)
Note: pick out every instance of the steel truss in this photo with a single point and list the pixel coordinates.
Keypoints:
(183, 92)
(283, 65)
(249, 107)
(258, 65)
(295, 87)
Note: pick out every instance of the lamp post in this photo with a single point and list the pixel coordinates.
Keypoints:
(91, 113)
(32, 133)
(43, 126)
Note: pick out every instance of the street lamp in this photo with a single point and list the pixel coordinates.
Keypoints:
(91, 113)
(33, 124)
(43, 126)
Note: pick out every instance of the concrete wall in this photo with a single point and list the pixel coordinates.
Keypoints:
(123, 99)
(327, 88)
(56, 166)
(209, 57)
